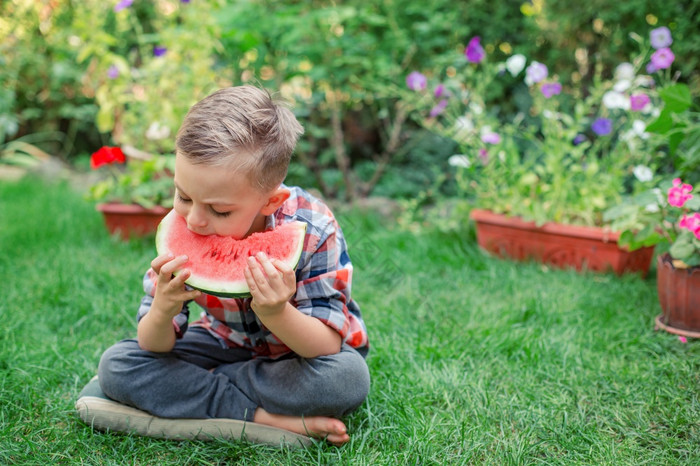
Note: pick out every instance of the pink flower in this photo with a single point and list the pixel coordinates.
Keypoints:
(441, 91)
(662, 58)
(679, 193)
(491, 138)
(484, 156)
(682, 339)
(475, 52)
(550, 89)
(416, 81)
(638, 102)
(692, 223)
(439, 108)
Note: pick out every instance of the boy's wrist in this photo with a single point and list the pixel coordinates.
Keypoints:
(160, 316)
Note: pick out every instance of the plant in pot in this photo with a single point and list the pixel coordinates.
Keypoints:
(668, 215)
(136, 193)
(555, 164)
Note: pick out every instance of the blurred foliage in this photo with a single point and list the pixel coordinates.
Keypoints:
(90, 72)
(40, 85)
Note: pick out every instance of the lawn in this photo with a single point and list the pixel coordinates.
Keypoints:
(474, 360)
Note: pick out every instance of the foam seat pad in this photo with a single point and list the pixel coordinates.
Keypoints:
(102, 413)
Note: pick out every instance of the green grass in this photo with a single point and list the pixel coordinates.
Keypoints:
(474, 360)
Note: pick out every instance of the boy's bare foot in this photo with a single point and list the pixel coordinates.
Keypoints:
(333, 430)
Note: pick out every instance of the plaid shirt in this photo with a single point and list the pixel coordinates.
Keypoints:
(324, 276)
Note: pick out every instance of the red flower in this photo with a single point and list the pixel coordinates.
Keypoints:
(105, 156)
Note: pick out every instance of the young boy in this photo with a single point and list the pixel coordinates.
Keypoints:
(292, 356)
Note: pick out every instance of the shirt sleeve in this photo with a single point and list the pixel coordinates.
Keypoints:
(180, 321)
(324, 278)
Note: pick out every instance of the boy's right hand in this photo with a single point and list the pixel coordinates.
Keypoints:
(170, 289)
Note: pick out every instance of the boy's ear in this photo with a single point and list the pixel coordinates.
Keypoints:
(275, 200)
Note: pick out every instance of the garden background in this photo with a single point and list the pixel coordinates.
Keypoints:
(474, 359)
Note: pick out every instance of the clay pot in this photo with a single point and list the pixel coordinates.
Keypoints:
(558, 245)
(131, 220)
(679, 296)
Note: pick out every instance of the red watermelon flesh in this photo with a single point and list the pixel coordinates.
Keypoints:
(217, 262)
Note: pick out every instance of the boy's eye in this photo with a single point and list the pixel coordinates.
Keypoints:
(180, 198)
(221, 214)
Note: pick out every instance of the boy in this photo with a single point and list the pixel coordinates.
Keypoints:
(292, 356)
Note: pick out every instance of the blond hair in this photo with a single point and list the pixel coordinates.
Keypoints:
(243, 128)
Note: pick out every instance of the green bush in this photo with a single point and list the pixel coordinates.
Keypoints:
(41, 93)
(89, 73)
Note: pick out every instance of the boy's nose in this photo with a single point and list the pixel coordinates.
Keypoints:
(195, 219)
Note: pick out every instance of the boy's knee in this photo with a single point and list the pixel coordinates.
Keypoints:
(348, 387)
(112, 370)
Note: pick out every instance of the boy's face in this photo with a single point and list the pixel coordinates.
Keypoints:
(217, 200)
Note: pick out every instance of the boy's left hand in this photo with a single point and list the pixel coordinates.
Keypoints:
(272, 284)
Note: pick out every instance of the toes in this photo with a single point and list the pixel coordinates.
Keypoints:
(338, 440)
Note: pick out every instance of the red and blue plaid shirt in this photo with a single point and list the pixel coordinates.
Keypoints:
(324, 276)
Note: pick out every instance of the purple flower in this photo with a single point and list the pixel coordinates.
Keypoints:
(159, 50)
(416, 81)
(638, 102)
(550, 89)
(602, 126)
(113, 72)
(660, 37)
(439, 108)
(184, 1)
(123, 4)
(662, 58)
(535, 73)
(475, 52)
(441, 91)
(491, 137)
(484, 156)
(579, 139)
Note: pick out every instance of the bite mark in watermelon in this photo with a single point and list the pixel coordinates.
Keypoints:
(216, 263)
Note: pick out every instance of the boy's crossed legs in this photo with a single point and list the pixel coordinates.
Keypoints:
(201, 379)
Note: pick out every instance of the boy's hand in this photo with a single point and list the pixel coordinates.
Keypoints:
(170, 290)
(272, 284)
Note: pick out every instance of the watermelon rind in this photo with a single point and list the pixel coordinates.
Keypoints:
(223, 288)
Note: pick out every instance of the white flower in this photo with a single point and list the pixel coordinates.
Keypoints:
(613, 100)
(475, 108)
(643, 173)
(624, 71)
(515, 64)
(643, 81)
(640, 129)
(464, 123)
(459, 160)
(622, 85)
(463, 128)
(156, 131)
(651, 208)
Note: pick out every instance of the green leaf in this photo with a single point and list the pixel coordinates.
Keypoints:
(683, 247)
(693, 203)
(662, 124)
(676, 98)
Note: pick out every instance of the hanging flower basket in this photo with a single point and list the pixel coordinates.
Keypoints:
(558, 245)
(131, 220)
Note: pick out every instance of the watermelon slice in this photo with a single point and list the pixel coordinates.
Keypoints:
(217, 262)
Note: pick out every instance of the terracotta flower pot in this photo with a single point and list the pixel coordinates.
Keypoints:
(679, 296)
(131, 220)
(559, 245)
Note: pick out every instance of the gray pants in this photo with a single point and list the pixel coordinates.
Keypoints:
(179, 384)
